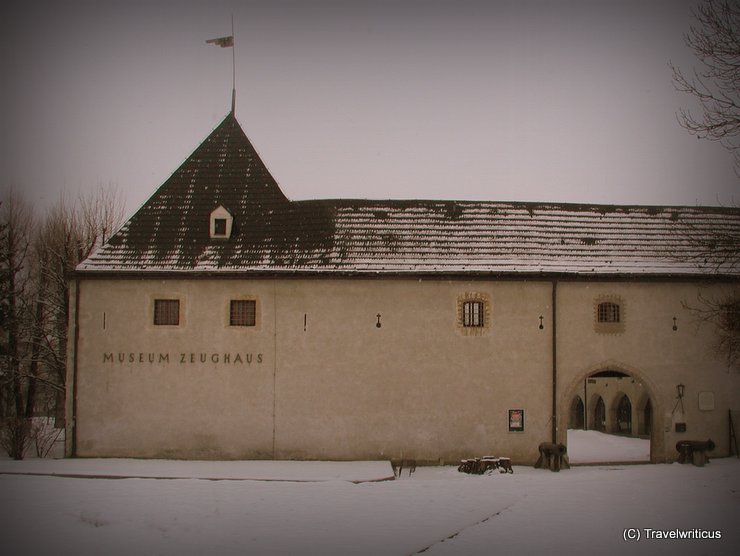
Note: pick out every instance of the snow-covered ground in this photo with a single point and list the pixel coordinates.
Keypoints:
(318, 509)
(594, 446)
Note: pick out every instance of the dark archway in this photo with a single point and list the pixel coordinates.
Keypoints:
(600, 415)
(648, 417)
(624, 415)
(577, 414)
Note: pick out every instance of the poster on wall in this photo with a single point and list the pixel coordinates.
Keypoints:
(516, 420)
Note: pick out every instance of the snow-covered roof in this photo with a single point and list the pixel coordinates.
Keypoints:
(170, 233)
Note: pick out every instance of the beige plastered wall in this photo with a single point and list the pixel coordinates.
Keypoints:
(651, 351)
(317, 378)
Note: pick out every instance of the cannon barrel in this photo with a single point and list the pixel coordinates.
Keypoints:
(694, 451)
(554, 449)
(706, 445)
(552, 456)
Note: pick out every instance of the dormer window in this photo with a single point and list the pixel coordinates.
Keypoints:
(221, 223)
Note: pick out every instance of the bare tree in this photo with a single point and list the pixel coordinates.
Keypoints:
(69, 234)
(14, 272)
(4, 292)
(5, 312)
(35, 265)
(101, 214)
(717, 249)
(722, 312)
(715, 40)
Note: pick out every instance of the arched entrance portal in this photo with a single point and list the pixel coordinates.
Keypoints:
(618, 418)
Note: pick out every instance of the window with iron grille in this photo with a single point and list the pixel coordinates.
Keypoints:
(473, 312)
(167, 312)
(243, 312)
(608, 312)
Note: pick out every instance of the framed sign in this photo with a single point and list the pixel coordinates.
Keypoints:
(516, 420)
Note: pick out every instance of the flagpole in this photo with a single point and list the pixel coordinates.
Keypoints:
(233, 68)
(228, 42)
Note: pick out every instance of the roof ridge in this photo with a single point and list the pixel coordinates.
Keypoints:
(597, 207)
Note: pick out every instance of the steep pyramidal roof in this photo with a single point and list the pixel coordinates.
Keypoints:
(171, 233)
(171, 230)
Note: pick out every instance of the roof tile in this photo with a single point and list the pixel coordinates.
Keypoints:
(272, 234)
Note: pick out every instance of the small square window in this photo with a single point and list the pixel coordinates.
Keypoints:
(608, 312)
(167, 312)
(473, 312)
(243, 312)
(219, 226)
(473, 315)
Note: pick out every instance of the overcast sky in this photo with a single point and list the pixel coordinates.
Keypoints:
(491, 100)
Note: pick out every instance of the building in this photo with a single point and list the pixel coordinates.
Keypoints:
(227, 321)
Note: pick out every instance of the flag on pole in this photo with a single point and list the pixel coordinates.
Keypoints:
(223, 42)
(228, 42)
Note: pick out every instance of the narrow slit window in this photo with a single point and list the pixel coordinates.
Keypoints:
(473, 313)
(167, 312)
(609, 312)
(243, 312)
